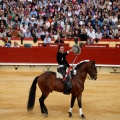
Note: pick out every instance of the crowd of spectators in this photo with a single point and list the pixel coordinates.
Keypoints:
(84, 19)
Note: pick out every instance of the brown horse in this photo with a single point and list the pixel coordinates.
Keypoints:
(48, 82)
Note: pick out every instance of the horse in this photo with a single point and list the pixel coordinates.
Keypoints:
(48, 82)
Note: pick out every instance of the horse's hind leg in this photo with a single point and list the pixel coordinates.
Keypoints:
(42, 105)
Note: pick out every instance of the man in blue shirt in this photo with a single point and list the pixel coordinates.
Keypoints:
(33, 12)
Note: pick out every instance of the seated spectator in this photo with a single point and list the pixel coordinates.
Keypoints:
(14, 33)
(83, 36)
(8, 44)
(114, 19)
(118, 34)
(98, 34)
(59, 40)
(25, 21)
(43, 34)
(70, 34)
(105, 29)
(38, 33)
(111, 33)
(91, 33)
(27, 34)
(32, 21)
(40, 21)
(105, 35)
(76, 36)
(110, 23)
(23, 27)
(33, 12)
(47, 40)
(63, 34)
(16, 44)
(90, 41)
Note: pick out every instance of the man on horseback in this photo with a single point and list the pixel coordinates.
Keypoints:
(63, 65)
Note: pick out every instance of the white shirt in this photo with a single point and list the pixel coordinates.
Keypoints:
(98, 35)
(47, 40)
(91, 34)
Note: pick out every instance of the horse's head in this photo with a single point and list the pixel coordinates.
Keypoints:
(86, 67)
(92, 70)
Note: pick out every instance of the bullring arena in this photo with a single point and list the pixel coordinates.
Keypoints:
(19, 66)
(100, 99)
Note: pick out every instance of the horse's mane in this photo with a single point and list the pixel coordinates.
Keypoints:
(80, 64)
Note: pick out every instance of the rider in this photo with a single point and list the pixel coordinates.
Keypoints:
(63, 64)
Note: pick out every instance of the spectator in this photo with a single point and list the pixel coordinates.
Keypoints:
(23, 27)
(98, 34)
(47, 40)
(33, 34)
(38, 33)
(27, 34)
(14, 32)
(105, 35)
(105, 30)
(83, 36)
(16, 45)
(76, 36)
(22, 35)
(101, 14)
(59, 40)
(91, 33)
(33, 12)
(70, 34)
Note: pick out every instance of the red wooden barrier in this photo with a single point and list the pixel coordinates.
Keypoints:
(53, 44)
(97, 45)
(48, 55)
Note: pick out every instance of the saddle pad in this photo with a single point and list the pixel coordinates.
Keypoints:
(58, 75)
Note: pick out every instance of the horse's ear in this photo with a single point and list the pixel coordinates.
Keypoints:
(93, 61)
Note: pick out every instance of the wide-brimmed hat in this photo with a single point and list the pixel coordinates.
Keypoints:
(76, 49)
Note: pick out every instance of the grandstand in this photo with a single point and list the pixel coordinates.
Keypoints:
(69, 20)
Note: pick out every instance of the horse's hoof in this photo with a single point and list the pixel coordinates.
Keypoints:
(70, 114)
(45, 115)
(83, 117)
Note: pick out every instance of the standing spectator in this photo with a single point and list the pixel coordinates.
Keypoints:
(22, 35)
(33, 34)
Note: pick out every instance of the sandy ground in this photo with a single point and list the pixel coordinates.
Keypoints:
(101, 99)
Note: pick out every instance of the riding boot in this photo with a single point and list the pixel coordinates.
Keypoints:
(65, 88)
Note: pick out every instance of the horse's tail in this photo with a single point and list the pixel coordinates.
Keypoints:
(32, 93)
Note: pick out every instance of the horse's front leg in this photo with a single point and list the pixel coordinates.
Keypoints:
(80, 106)
(71, 105)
